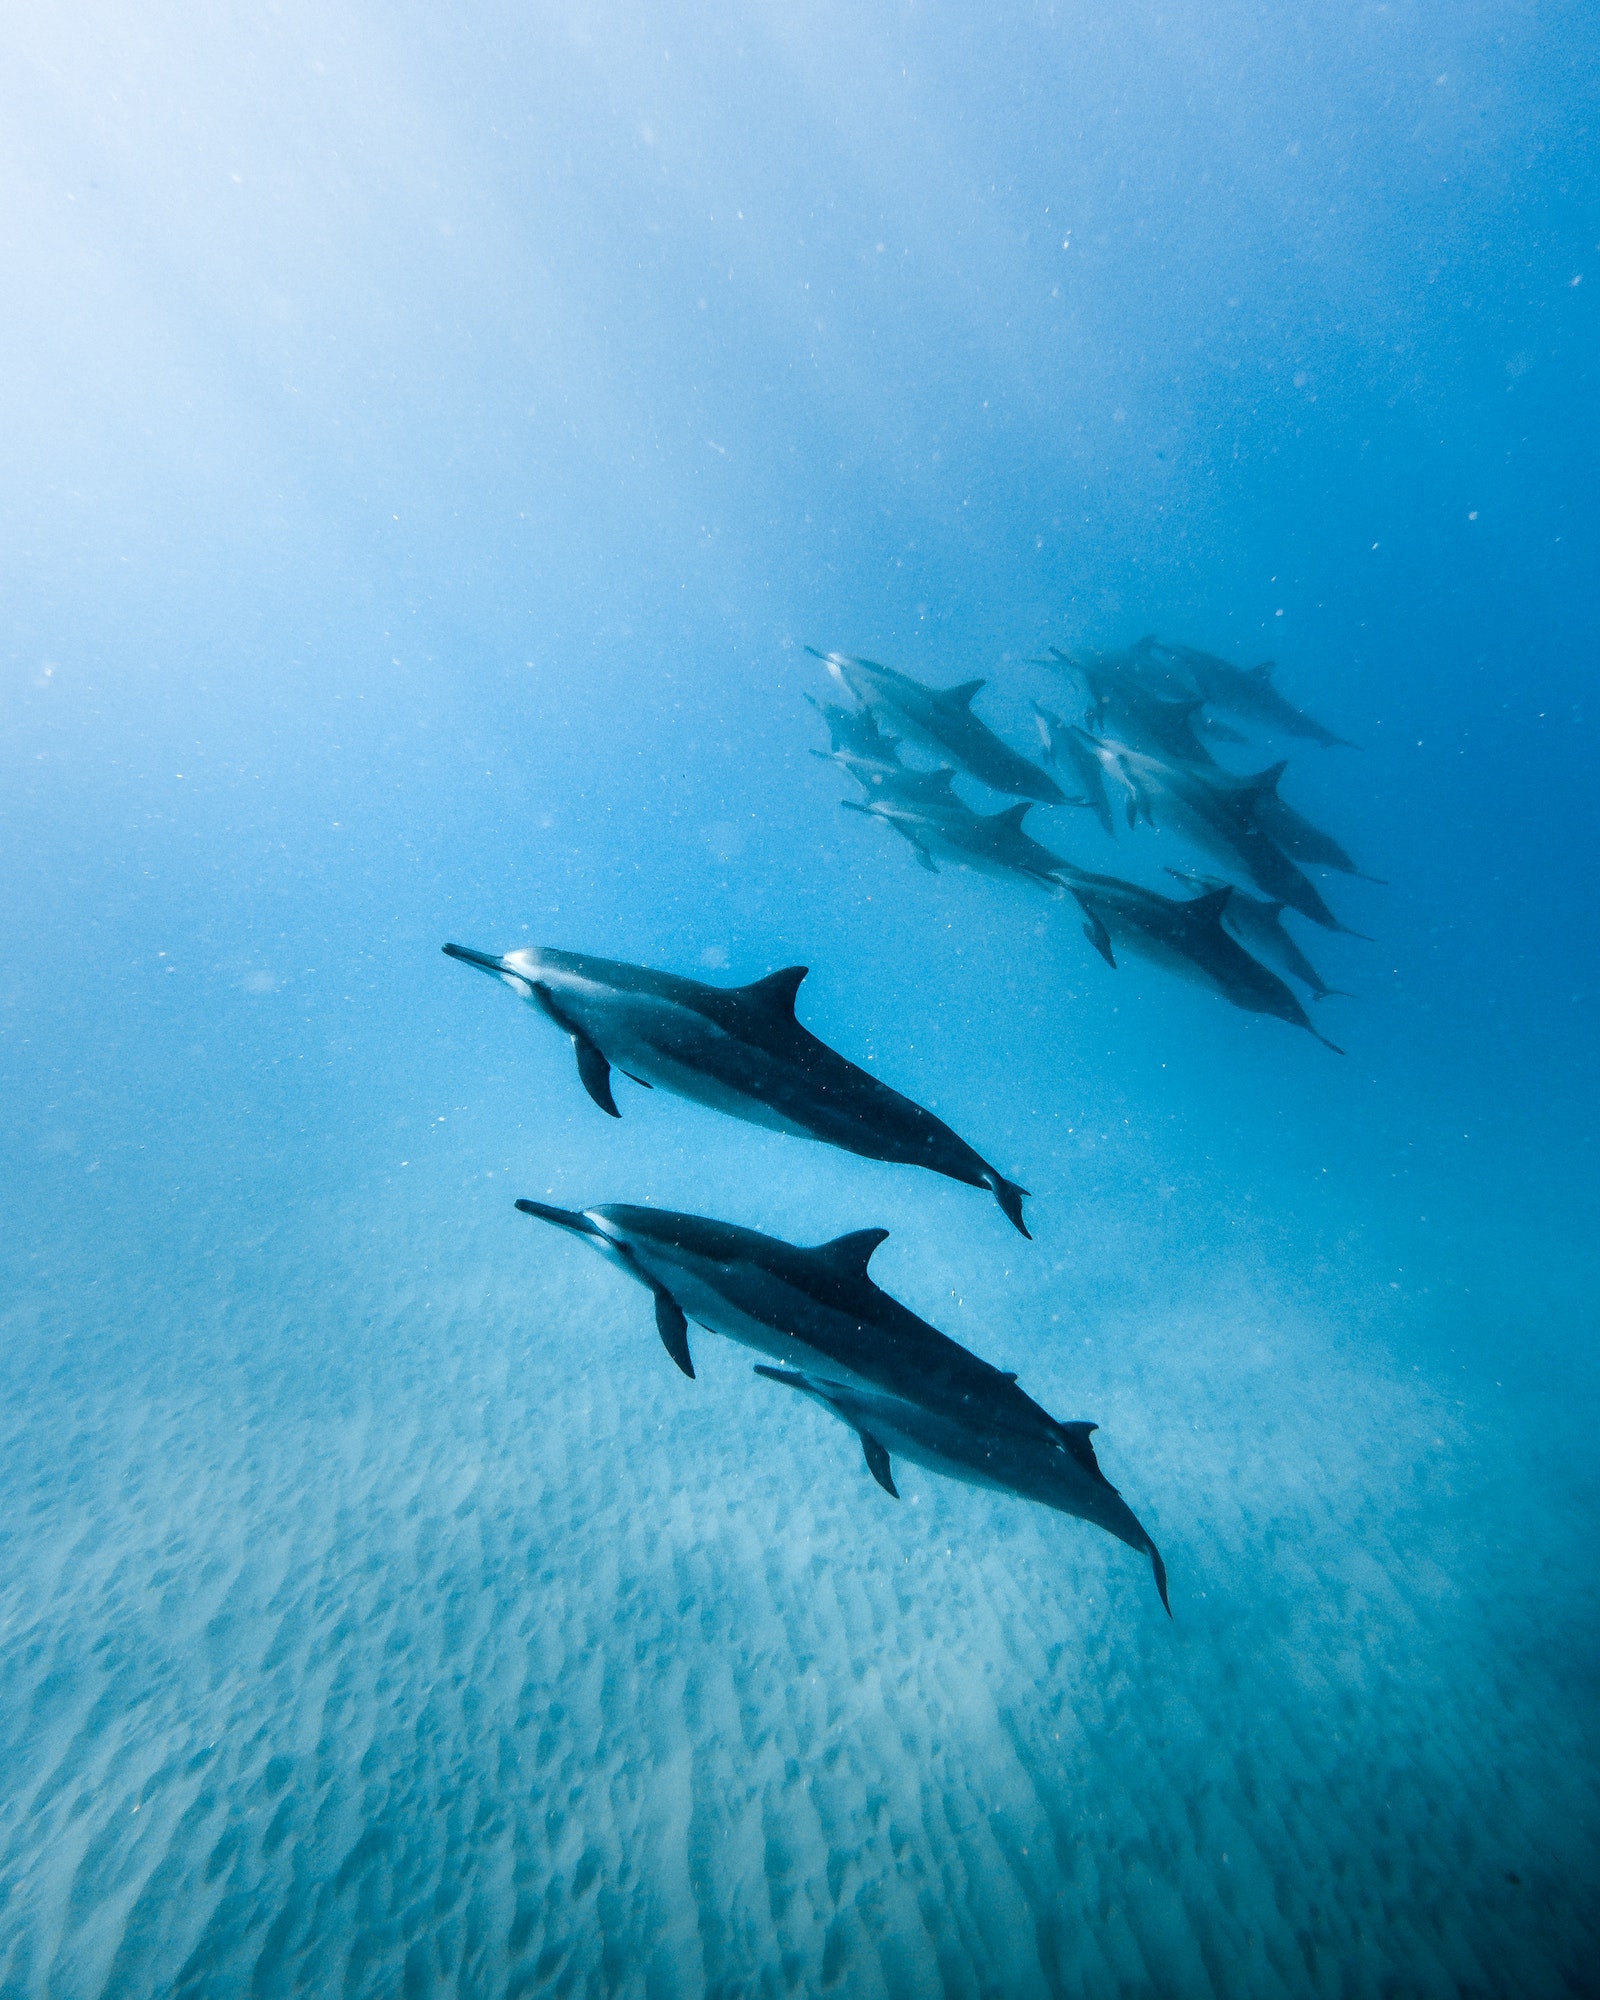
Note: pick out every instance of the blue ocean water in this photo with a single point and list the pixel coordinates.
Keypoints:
(434, 437)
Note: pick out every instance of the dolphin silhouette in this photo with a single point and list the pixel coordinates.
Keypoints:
(737, 1049)
(1060, 1470)
(1219, 812)
(1123, 707)
(1187, 937)
(991, 843)
(1246, 692)
(855, 732)
(942, 719)
(1258, 924)
(818, 1312)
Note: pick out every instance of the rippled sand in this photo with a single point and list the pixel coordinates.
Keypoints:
(383, 1634)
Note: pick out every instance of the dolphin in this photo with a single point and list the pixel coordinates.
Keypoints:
(737, 1049)
(1061, 740)
(991, 843)
(942, 719)
(895, 781)
(1122, 707)
(1217, 811)
(1186, 937)
(1248, 693)
(1058, 1469)
(1137, 665)
(855, 732)
(1299, 838)
(1258, 925)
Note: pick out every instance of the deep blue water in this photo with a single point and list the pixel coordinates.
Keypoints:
(433, 437)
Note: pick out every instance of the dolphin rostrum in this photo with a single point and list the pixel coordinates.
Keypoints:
(737, 1049)
(942, 720)
(817, 1311)
(1060, 1470)
(991, 843)
(1187, 937)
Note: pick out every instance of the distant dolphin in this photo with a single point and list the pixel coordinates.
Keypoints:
(942, 719)
(1060, 1470)
(1297, 836)
(992, 843)
(738, 1049)
(854, 732)
(895, 781)
(1186, 937)
(818, 1310)
(1248, 693)
(1062, 741)
(1217, 811)
(1258, 925)
(1122, 707)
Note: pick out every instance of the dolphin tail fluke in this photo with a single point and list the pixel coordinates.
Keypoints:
(1160, 1569)
(1010, 1198)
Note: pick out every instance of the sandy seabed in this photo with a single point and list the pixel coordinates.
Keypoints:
(384, 1634)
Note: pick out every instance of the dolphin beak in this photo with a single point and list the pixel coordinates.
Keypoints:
(563, 1218)
(485, 961)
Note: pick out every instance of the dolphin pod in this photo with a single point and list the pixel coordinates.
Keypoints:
(899, 1383)
(825, 1331)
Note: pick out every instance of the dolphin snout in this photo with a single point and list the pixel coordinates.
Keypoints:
(563, 1218)
(486, 961)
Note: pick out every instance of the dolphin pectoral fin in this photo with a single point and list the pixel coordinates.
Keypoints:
(594, 1072)
(924, 858)
(628, 1073)
(674, 1331)
(1100, 938)
(878, 1464)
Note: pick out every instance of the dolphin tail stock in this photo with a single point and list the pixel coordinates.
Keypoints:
(1010, 1198)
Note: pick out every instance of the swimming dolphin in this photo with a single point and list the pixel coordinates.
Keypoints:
(1298, 837)
(1248, 693)
(1056, 1465)
(738, 1049)
(1137, 665)
(1258, 925)
(942, 719)
(991, 843)
(1186, 937)
(1062, 741)
(1217, 811)
(855, 732)
(895, 781)
(1121, 707)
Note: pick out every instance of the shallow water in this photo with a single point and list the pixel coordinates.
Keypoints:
(433, 448)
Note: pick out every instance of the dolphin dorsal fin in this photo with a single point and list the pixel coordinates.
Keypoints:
(961, 697)
(1264, 781)
(1013, 816)
(776, 992)
(1263, 673)
(849, 1256)
(1075, 1436)
(1209, 908)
